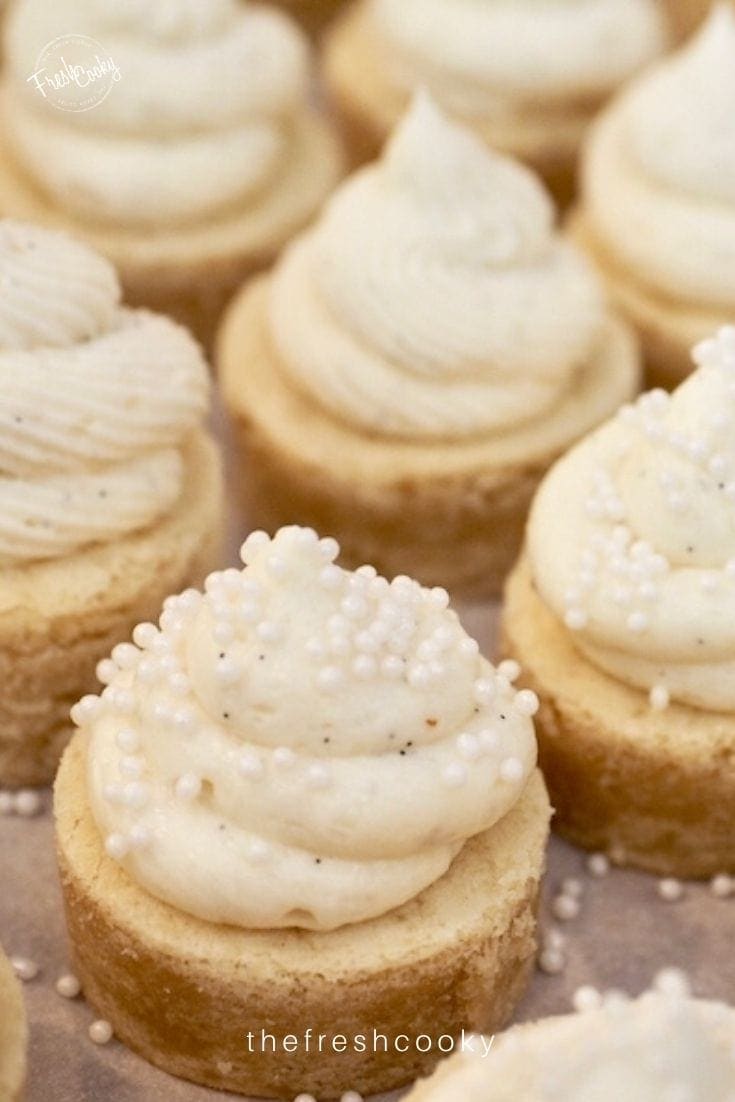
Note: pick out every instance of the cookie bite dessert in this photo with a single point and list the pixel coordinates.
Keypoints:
(656, 1047)
(110, 487)
(196, 164)
(623, 613)
(418, 358)
(303, 805)
(13, 1034)
(657, 208)
(526, 76)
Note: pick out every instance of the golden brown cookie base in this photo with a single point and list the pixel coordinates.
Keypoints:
(191, 273)
(367, 108)
(668, 329)
(13, 1034)
(184, 993)
(652, 789)
(449, 514)
(59, 618)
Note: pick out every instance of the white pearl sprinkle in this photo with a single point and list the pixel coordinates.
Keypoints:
(351, 1096)
(586, 998)
(328, 548)
(258, 850)
(722, 886)
(228, 671)
(526, 703)
(116, 846)
(27, 803)
(144, 634)
(106, 671)
(576, 619)
(125, 655)
(565, 907)
(392, 666)
(85, 709)
(573, 886)
(25, 968)
(135, 794)
(552, 961)
(484, 690)
(249, 765)
(637, 622)
(553, 938)
(68, 986)
(188, 786)
(511, 770)
(317, 776)
(330, 678)
(509, 668)
(598, 864)
(7, 803)
(670, 889)
(304, 1098)
(127, 740)
(469, 746)
(660, 698)
(673, 982)
(283, 757)
(100, 1032)
(455, 775)
(364, 667)
(469, 647)
(331, 577)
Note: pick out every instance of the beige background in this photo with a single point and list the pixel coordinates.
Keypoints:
(623, 936)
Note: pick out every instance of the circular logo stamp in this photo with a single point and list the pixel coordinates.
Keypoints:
(74, 73)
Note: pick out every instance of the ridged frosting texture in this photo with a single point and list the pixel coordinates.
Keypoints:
(489, 58)
(658, 1047)
(659, 175)
(434, 298)
(199, 122)
(95, 400)
(632, 538)
(301, 745)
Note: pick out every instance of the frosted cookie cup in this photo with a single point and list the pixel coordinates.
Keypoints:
(416, 361)
(527, 77)
(195, 169)
(110, 488)
(655, 1047)
(657, 204)
(305, 802)
(622, 613)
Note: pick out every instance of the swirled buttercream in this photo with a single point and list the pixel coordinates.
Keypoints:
(198, 122)
(95, 400)
(482, 58)
(655, 1047)
(434, 297)
(632, 538)
(301, 745)
(659, 176)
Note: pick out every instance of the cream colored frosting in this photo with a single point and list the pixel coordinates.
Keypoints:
(659, 177)
(656, 1048)
(434, 298)
(95, 400)
(632, 538)
(483, 57)
(198, 122)
(301, 745)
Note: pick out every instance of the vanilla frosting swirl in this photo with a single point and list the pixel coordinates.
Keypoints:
(632, 538)
(658, 1047)
(659, 176)
(198, 122)
(484, 57)
(301, 745)
(434, 297)
(95, 400)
